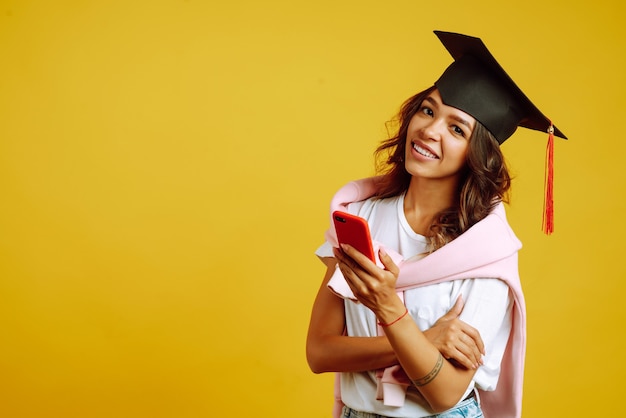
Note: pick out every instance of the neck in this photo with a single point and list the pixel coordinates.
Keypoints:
(426, 198)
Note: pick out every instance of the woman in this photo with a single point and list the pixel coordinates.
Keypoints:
(445, 253)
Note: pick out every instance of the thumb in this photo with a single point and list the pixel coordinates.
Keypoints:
(456, 309)
(388, 261)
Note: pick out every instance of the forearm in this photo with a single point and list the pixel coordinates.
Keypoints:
(350, 354)
(441, 384)
(329, 350)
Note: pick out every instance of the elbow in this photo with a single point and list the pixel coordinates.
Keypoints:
(315, 360)
(316, 368)
(319, 355)
(443, 403)
(438, 408)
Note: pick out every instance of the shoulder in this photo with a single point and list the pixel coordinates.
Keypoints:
(373, 208)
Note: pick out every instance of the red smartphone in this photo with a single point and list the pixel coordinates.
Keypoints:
(354, 230)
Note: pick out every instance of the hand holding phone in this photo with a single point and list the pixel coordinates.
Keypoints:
(354, 231)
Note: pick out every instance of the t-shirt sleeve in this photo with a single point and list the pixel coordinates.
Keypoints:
(488, 308)
(325, 250)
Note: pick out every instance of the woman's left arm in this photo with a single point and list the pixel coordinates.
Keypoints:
(439, 381)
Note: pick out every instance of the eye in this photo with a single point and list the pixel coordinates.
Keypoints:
(426, 110)
(457, 130)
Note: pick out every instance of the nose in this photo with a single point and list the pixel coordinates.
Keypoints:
(433, 130)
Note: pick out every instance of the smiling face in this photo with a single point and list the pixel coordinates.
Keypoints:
(437, 140)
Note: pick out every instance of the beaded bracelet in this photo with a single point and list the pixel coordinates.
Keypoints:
(393, 322)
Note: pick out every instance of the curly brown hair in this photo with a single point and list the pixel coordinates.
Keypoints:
(485, 181)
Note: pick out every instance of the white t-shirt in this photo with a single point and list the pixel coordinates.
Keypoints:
(487, 308)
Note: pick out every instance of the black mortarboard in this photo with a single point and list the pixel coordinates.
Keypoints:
(476, 84)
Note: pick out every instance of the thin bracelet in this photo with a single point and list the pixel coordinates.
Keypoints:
(393, 322)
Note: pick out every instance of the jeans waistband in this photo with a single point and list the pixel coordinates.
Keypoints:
(469, 405)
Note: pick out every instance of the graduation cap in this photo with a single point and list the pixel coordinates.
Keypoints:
(476, 84)
(479, 86)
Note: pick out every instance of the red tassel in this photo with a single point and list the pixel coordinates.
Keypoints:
(548, 203)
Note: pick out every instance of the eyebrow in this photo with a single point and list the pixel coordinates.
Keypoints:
(459, 119)
(431, 101)
(462, 121)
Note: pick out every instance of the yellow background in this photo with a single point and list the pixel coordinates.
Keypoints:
(165, 173)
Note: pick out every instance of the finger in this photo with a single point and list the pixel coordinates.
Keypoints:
(465, 344)
(359, 258)
(345, 260)
(475, 336)
(353, 279)
(347, 266)
(388, 262)
(337, 254)
(458, 306)
(464, 351)
(458, 355)
(472, 351)
(455, 311)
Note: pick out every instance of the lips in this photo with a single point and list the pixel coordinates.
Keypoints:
(425, 151)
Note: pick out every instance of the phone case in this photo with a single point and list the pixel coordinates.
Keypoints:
(353, 230)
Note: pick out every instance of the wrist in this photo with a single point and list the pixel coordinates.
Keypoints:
(388, 317)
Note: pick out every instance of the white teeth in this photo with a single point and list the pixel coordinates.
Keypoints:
(423, 151)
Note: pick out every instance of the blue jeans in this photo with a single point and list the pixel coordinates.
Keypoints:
(468, 408)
